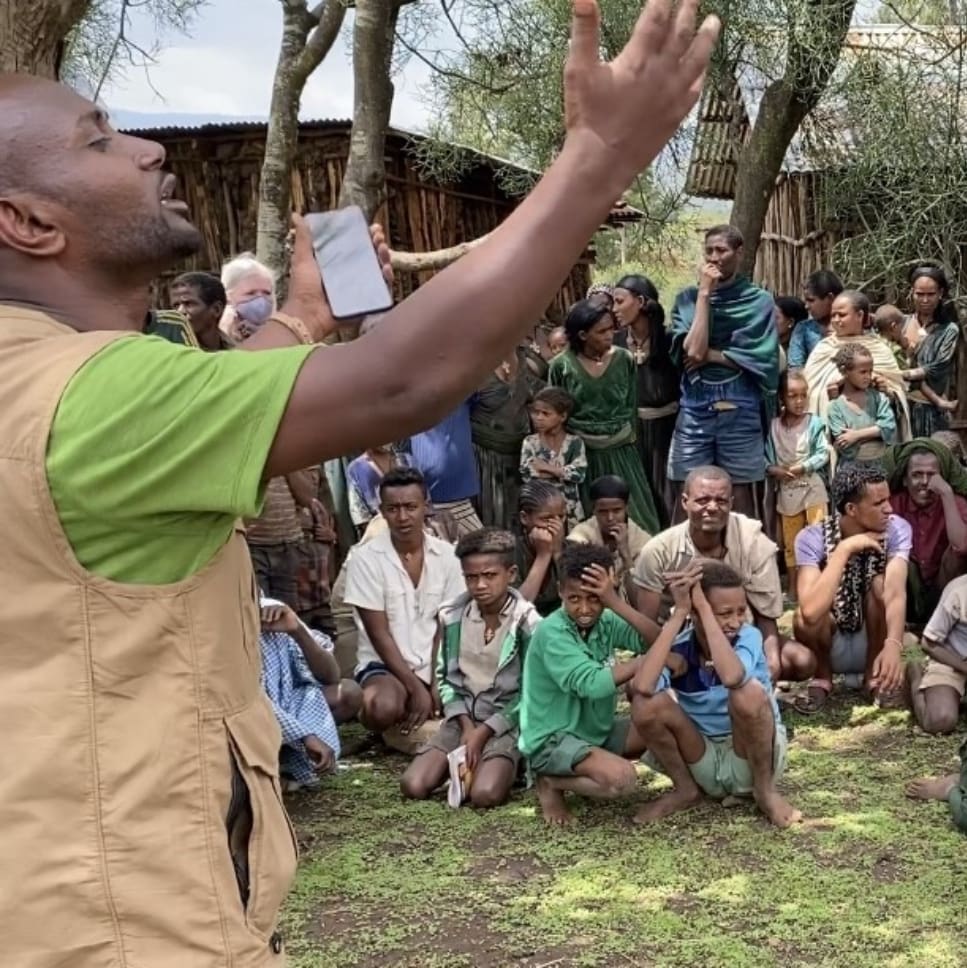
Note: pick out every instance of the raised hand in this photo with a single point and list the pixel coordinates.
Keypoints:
(631, 107)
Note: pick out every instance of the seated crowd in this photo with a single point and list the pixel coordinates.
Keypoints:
(605, 524)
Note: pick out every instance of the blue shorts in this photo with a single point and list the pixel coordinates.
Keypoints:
(730, 439)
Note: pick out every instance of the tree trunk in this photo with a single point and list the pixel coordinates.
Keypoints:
(814, 49)
(299, 55)
(364, 183)
(33, 34)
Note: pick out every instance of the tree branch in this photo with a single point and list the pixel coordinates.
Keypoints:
(322, 38)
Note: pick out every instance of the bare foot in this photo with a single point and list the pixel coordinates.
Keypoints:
(777, 809)
(932, 787)
(552, 803)
(675, 801)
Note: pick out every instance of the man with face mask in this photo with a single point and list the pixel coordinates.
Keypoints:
(713, 530)
(250, 291)
(130, 627)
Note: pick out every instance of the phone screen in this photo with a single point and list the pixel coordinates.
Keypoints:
(351, 274)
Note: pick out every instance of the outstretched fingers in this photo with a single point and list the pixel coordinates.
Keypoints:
(694, 63)
(585, 50)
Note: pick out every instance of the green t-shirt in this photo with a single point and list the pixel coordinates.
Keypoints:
(568, 685)
(157, 449)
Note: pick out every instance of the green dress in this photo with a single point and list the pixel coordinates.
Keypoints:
(606, 416)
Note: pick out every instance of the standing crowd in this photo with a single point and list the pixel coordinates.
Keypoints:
(612, 514)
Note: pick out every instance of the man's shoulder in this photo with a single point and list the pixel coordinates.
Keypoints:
(899, 528)
(584, 533)
(666, 541)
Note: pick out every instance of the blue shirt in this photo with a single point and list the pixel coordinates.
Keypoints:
(805, 335)
(444, 455)
(700, 692)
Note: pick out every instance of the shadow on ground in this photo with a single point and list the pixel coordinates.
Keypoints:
(869, 879)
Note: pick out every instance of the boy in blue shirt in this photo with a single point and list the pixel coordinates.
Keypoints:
(723, 737)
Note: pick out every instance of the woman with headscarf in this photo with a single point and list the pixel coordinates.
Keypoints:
(642, 321)
(851, 322)
(934, 355)
(602, 380)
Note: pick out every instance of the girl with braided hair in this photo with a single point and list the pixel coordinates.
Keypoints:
(542, 519)
(860, 419)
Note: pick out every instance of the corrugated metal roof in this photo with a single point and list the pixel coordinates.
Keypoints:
(724, 122)
(622, 212)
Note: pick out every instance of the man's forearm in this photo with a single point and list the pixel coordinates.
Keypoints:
(655, 658)
(818, 599)
(696, 340)
(947, 657)
(322, 664)
(509, 279)
(956, 529)
(647, 629)
(531, 586)
(727, 664)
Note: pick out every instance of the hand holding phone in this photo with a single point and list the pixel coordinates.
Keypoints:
(351, 273)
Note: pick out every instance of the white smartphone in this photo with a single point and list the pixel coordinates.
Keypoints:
(350, 270)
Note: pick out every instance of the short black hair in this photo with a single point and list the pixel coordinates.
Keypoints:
(730, 233)
(717, 574)
(710, 472)
(558, 399)
(582, 317)
(849, 355)
(209, 287)
(488, 541)
(823, 283)
(610, 486)
(402, 477)
(851, 481)
(576, 558)
(792, 308)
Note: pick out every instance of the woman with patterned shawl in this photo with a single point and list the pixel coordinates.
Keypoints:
(602, 380)
(724, 335)
(934, 355)
(852, 323)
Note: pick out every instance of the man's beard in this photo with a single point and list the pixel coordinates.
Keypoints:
(154, 243)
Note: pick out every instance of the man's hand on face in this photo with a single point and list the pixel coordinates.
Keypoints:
(937, 485)
(709, 277)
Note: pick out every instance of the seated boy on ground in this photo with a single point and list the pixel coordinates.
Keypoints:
(301, 678)
(396, 584)
(723, 736)
(936, 691)
(569, 729)
(483, 639)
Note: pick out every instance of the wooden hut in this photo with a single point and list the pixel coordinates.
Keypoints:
(218, 167)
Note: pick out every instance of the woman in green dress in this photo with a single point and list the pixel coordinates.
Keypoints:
(602, 380)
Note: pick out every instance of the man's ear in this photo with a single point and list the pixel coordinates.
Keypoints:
(28, 225)
(514, 572)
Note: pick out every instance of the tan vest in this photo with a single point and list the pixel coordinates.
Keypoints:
(136, 742)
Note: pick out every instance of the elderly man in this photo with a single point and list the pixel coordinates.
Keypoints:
(130, 627)
(925, 483)
(852, 587)
(713, 530)
(201, 298)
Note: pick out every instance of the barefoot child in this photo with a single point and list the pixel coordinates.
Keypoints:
(796, 450)
(952, 788)
(569, 730)
(552, 454)
(723, 737)
(860, 419)
(483, 638)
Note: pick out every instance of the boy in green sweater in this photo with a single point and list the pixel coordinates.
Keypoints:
(569, 729)
(480, 648)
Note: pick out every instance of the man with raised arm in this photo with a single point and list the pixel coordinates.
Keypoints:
(130, 625)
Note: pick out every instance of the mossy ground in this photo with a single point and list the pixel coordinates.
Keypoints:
(869, 878)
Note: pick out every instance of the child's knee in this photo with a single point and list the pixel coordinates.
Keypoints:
(413, 786)
(382, 709)
(648, 711)
(347, 702)
(936, 721)
(748, 699)
(624, 781)
(486, 795)
(798, 662)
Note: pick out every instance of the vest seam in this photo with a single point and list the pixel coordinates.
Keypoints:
(206, 791)
(96, 785)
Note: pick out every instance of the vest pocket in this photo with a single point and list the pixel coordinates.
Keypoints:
(260, 836)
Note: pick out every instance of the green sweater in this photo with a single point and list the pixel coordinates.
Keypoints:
(568, 683)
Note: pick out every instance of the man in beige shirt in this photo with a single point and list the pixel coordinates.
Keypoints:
(713, 530)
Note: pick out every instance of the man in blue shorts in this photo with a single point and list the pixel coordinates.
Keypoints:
(725, 338)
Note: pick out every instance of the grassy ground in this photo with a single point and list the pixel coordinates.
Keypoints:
(869, 879)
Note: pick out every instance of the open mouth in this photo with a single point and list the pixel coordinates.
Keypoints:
(168, 200)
